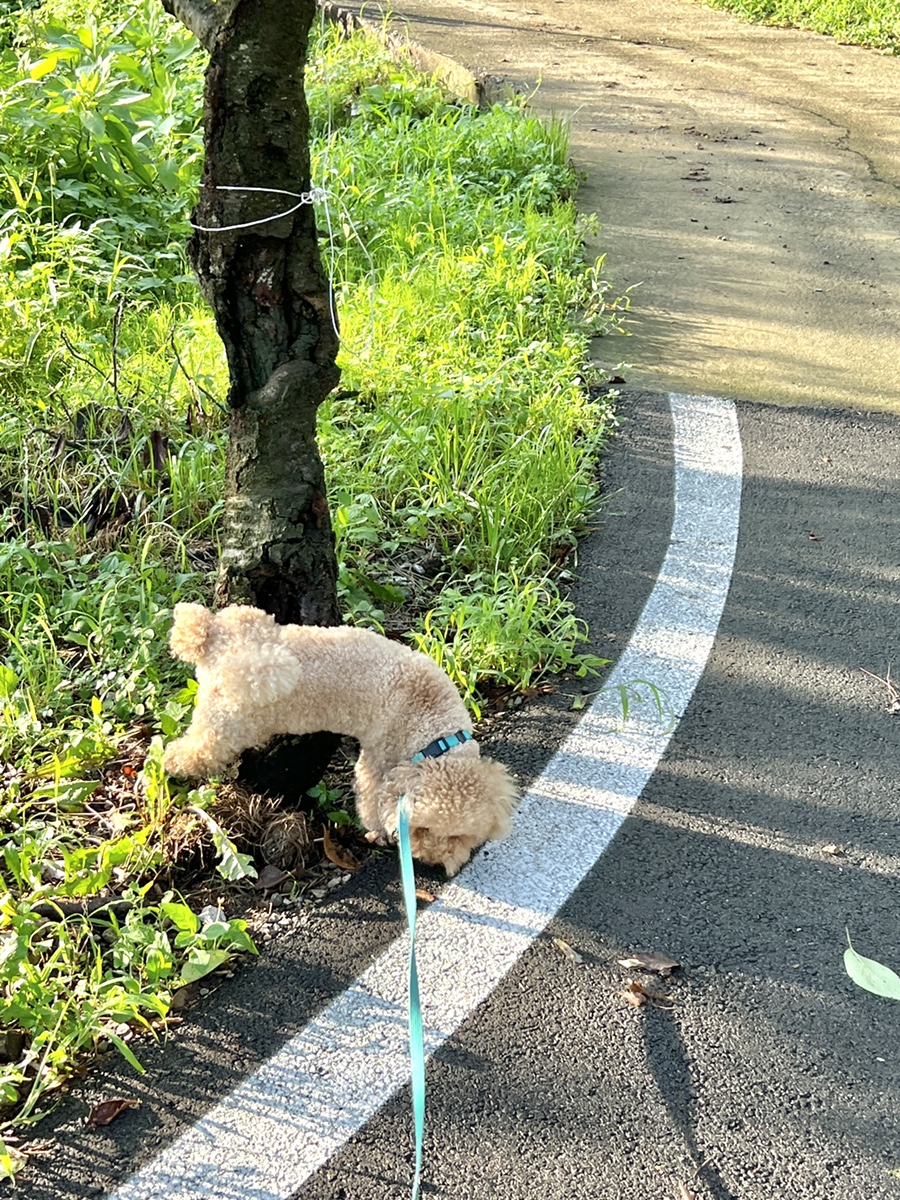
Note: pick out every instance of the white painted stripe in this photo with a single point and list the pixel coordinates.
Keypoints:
(285, 1121)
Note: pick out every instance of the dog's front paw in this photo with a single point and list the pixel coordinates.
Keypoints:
(179, 761)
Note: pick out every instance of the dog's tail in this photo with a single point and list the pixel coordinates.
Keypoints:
(190, 632)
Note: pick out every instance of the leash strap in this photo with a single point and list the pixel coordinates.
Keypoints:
(416, 1035)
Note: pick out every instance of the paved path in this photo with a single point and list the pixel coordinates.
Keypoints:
(747, 179)
(771, 1075)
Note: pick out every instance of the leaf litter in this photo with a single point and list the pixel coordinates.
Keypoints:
(568, 950)
(638, 994)
(107, 1111)
(656, 963)
(336, 853)
(636, 991)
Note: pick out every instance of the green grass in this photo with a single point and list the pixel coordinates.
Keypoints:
(873, 23)
(468, 427)
(461, 456)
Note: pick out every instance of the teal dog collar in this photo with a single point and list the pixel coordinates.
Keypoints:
(441, 745)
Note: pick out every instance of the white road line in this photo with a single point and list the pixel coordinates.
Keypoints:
(284, 1122)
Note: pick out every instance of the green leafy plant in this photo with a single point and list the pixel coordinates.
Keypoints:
(68, 984)
(97, 108)
(232, 864)
(202, 943)
(512, 631)
(334, 804)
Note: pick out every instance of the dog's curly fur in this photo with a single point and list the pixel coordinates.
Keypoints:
(257, 679)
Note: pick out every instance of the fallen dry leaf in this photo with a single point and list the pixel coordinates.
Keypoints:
(428, 897)
(182, 996)
(660, 999)
(685, 1193)
(569, 951)
(649, 962)
(634, 994)
(337, 854)
(107, 1110)
(638, 993)
(269, 877)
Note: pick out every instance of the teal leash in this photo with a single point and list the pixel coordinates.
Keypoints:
(416, 1035)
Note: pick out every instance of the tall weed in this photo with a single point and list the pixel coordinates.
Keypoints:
(100, 104)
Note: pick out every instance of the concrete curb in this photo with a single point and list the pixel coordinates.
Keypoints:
(460, 82)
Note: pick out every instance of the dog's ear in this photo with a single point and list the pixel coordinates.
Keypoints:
(256, 674)
(190, 632)
(502, 788)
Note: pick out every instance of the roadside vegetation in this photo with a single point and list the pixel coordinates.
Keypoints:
(873, 23)
(461, 453)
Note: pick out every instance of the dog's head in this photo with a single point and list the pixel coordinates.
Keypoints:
(457, 802)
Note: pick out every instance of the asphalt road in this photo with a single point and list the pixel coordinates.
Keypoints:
(769, 1073)
(766, 1073)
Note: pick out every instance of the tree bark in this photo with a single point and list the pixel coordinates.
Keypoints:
(201, 17)
(272, 308)
(273, 311)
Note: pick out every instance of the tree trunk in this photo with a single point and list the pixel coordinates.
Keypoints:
(273, 311)
(271, 302)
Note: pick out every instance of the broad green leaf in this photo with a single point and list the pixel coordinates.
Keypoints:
(120, 137)
(126, 99)
(10, 1161)
(9, 680)
(202, 962)
(181, 917)
(232, 865)
(44, 67)
(73, 791)
(384, 593)
(872, 975)
(214, 931)
(93, 123)
(240, 939)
